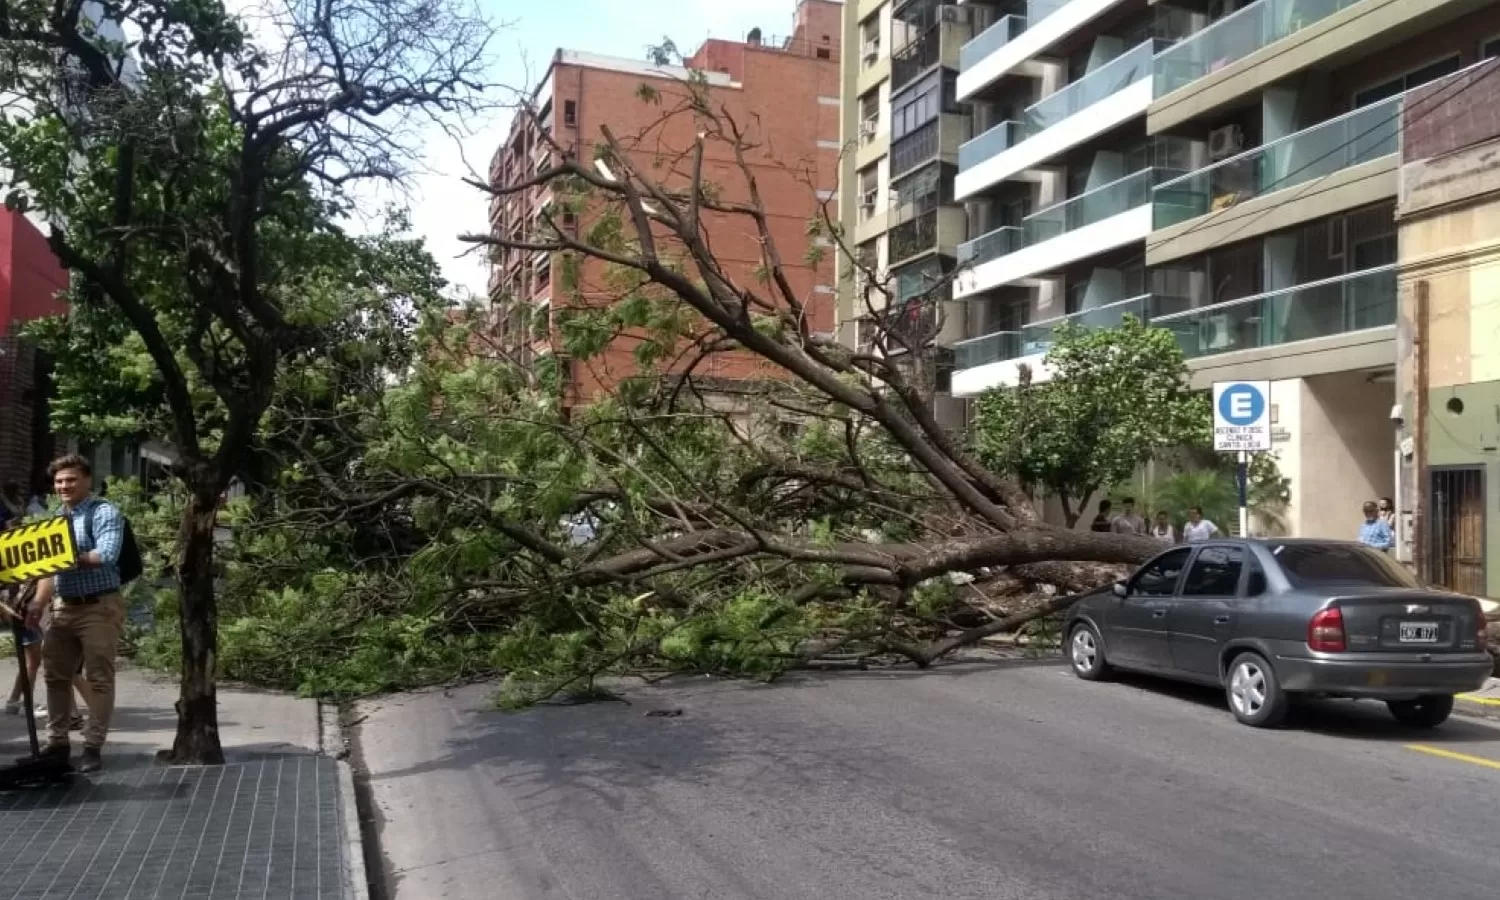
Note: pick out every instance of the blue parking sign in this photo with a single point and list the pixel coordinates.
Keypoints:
(1242, 415)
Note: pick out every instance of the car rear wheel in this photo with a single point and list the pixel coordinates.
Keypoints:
(1086, 653)
(1255, 695)
(1428, 711)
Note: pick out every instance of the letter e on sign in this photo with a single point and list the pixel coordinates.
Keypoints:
(1242, 416)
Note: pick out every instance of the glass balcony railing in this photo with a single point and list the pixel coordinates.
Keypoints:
(1109, 79)
(984, 350)
(992, 244)
(1320, 309)
(1234, 37)
(990, 40)
(1093, 206)
(1086, 209)
(1357, 137)
(1038, 336)
(1002, 137)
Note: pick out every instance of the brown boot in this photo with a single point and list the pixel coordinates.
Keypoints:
(91, 760)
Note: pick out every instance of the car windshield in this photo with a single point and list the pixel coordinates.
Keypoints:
(1310, 565)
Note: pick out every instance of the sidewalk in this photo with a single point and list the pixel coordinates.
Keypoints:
(273, 822)
(1483, 702)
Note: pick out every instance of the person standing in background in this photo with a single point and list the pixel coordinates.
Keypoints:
(1197, 528)
(1129, 521)
(1101, 521)
(1163, 530)
(1374, 532)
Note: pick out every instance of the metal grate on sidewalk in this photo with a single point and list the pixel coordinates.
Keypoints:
(269, 828)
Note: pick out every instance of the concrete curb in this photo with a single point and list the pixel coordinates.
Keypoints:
(331, 743)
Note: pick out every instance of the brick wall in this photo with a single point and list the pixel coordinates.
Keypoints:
(30, 282)
(794, 156)
(1449, 115)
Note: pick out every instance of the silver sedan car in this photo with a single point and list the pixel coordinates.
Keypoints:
(1270, 620)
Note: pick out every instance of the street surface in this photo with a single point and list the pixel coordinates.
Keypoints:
(975, 781)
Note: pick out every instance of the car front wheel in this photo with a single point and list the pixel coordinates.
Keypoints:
(1086, 653)
(1255, 695)
(1428, 711)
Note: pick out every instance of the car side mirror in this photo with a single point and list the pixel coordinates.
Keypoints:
(1119, 589)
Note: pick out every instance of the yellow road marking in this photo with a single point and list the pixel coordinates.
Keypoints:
(1471, 698)
(1460, 757)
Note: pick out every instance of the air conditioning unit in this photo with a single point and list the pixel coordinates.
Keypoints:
(1225, 142)
(867, 128)
(868, 200)
(872, 49)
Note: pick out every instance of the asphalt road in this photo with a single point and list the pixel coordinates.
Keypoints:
(975, 781)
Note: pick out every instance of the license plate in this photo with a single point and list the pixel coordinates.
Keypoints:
(1419, 632)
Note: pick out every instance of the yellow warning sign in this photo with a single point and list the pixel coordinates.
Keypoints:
(32, 551)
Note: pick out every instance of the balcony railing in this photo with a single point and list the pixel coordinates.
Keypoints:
(1236, 36)
(915, 58)
(914, 237)
(980, 351)
(1319, 309)
(988, 41)
(1087, 208)
(1109, 79)
(990, 245)
(1360, 136)
(1002, 137)
(915, 148)
(1038, 336)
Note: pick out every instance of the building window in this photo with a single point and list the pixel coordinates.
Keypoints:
(869, 192)
(1403, 83)
(1491, 49)
(936, 93)
(570, 113)
(869, 38)
(869, 116)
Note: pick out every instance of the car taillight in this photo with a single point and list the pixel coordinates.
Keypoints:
(1325, 633)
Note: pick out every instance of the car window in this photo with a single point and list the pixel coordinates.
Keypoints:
(1215, 573)
(1313, 565)
(1255, 582)
(1158, 578)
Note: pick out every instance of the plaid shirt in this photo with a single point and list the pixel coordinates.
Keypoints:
(102, 521)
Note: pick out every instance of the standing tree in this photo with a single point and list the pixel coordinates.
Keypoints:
(194, 183)
(1117, 398)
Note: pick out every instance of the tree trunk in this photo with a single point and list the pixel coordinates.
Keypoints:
(197, 740)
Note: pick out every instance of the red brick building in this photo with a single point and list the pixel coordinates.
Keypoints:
(30, 281)
(783, 92)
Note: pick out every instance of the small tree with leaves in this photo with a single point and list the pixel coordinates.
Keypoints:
(1117, 398)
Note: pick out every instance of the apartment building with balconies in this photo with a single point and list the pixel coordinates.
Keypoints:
(782, 91)
(903, 129)
(1226, 170)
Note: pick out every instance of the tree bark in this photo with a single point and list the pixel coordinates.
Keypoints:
(197, 741)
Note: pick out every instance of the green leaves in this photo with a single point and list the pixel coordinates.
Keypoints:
(1117, 397)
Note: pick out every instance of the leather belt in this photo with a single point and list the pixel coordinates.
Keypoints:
(86, 599)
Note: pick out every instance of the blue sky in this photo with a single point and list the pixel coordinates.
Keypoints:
(441, 206)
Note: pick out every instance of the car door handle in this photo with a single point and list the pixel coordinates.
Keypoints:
(1221, 620)
(1158, 614)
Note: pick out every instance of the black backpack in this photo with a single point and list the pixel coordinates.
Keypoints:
(130, 564)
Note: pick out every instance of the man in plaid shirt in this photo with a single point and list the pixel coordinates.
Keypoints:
(88, 612)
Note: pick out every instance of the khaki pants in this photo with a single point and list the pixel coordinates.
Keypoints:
(87, 632)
